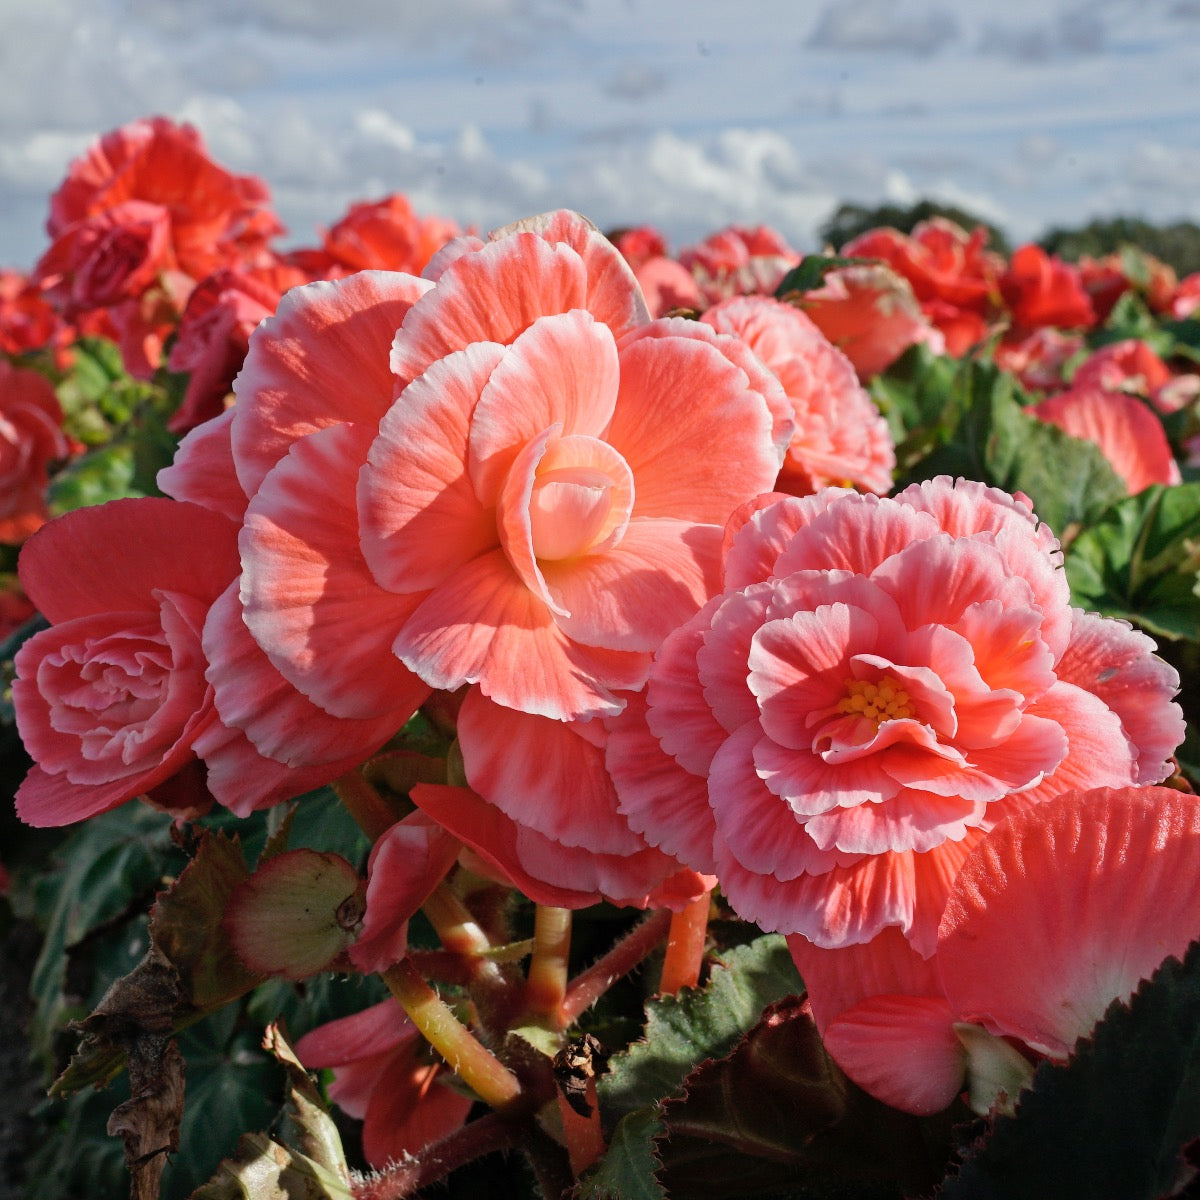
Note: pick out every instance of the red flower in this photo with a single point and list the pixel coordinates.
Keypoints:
(31, 438)
(1041, 290)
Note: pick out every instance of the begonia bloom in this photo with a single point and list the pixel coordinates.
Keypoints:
(739, 261)
(384, 1073)
(1040, 289)
(840, 438)
(1059, 911)
(31, 441)
(880, 683)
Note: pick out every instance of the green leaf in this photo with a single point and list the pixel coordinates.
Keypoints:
(1113, 1120)
(1069, 480)
(1130, 318)
(684, 1030)
(917, 396)
(1140, 561)
(810, 273)
(103, 474)
(628, 1170)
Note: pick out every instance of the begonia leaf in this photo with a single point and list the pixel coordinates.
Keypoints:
(186, 923)
(1140, 561)
(684, 1030)
(1116, 1118)
(916, 396)
(811, 271)
(629, 1168)
(778, 1113)
(997, 442)
(106, 473)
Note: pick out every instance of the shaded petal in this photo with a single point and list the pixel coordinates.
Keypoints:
(543, 775)
(419, 517)
(203, 472)
(902, 1050)
(483, 626)
(758, 533)
(663, 801)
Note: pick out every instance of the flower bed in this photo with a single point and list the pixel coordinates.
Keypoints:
(717, 724)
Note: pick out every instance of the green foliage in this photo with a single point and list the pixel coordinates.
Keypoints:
(811, 272)
(698, 1024)
(850, 220)
(1178, 245)
(987, 435)
(917, 397)
(1114, 1119)
(1140, 561)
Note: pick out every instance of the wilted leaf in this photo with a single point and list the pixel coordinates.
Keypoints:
(1115, 1119)
(186, 923)
(265, 1170)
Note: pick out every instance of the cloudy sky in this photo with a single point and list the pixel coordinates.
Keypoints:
(689, 114)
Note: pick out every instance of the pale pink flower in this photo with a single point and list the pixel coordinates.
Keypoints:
(1056, 913)
(881, 682)
(840, 438)
(1126, 430)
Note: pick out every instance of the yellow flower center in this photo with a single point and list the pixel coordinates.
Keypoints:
(884, 700)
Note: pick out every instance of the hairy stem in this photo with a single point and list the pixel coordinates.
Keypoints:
(685, 947)
(546, 987)
(470, 1060)
(588, 986)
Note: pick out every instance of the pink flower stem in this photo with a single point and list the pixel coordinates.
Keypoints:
(474, 1064)
(588, 986)
(484, 1136)
(460, 933)
(685, 947)
(546, 987)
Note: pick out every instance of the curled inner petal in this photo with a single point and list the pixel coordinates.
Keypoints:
(567, 510)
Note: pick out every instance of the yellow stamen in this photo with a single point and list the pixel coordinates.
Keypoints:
(884, 700)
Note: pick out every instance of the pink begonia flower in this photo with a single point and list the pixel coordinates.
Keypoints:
(384, 1074)
(880, 683)
(31, 442)
(1039, 360)
(112, 701)
(577, 464)
(1129, 434)
(841, 437)
(739, 261)
(1041, 289)
(871, 315)
(667, 285)
(1132, 366)
(1059, 911)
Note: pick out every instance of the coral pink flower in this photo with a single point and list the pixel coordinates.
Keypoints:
(378, 235)
(31, 440)
(871, 315)
(881, 682)
(840, 437)
(384, 1073)
(1039, 360)
(739, 261)
(215, 218)
(951, 273)
(1126, 366)
(1056, 913)
(1042, 290)
(112, 700)
(1129, 434)
(639, 245)
(667, 285)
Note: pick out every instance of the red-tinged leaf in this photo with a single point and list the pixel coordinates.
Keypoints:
(186, 924)
(296, 914)
(777, 1113)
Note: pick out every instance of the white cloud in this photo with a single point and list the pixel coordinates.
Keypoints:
(883, 25)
